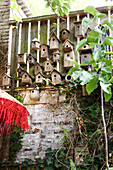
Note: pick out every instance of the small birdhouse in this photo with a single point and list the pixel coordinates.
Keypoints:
(34, 95)
(20, 71)
(22, 58)
(6, 80)
(56, 56)
(44, 51)
(86, 33)
(68, 46)
(54, 42)
(35, 44)
(64, 34)
(47, 66)
(85, 57)
(26, 79)
(68, 78)
(56, 77)
(38, 68)
(39, 78)
(78, 29)
(85, 53)
(68, 55)
(54, 94)
(31, 59)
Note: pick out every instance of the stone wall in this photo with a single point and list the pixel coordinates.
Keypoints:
(45, 130)
(4, 35)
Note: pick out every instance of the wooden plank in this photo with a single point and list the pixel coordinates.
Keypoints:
(38, 60)
(29, 43)
(68, 22)
(10, 45)
(58, 27)
(48, 31)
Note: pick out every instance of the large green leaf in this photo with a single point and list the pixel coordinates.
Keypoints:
(91, 10)
(76, 74)
(86, 22)
(86, 77)
(81, 44)
(106, 87)
(107, 69)
(106, 22)
(85, 63)
(92, 85)
(108, 41)
(73, 69)
(107, 96)
(66, 11)
(97, 54)
(93, 37)
(74, 62)
(101, 15)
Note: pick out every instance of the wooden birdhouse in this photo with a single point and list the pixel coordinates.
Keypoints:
(54, 42)
(56, 56)
(64, 34)
(47, 66)
(39, 78)
(56, 77)
(68, 78)
(34, 95)
(35, 44)
(68, 46)
(20, 71)
(44, 51)
(6, 80)
(26, 79)
(86, 33)
(31, 59)
(22, 58)
(85, 53)
(78, 29)
(54, 94)
(38, 68)
(68, 55)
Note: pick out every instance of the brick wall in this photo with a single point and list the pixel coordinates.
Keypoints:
(44, 131)
(4, 35)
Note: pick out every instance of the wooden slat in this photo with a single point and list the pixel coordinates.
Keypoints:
(48, 31)
(68, 22)
(58, 27)
(29, 42)
(10, 46)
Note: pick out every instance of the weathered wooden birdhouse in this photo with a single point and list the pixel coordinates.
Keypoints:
(47, 66)
(56, 77)
(26, 79)
(22, 58)
(44, 51)
(35, 44)
(78, 29)
(56, 56)
(54, 42)
(68, 78)
(64, 34)
(34, 95)
(39, 78)
(85, 53)
(68, 46)
(6, 80)
(86, 33)
(31, 59)
(20, 71)
(38, 68)
(68, 55)
(54, 94)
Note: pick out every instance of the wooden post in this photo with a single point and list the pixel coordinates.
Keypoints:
(19, 48)
(9, 48)
(38, 40)
(58, 30)
(29, 42)
(78, 39)
(48, 31)
(68, 22)
(57, 65)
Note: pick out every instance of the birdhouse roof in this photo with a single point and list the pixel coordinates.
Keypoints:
(48, 61)
(20, 69)
(54, 70)
(5, 74)
(64, 29)
(53, 34)
(25, 72)
(40, 74)
(38, 64)
(35, 40)
(77, 22)
(44, 45)
(31, 55)
(56, 52)
(22, 53)
(68, 41)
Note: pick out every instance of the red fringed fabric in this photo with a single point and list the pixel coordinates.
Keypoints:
(12, 115)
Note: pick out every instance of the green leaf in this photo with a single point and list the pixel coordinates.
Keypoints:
(1, 0)
(107, 96)
(106, 87)
(81, 44)
(107, 62)
(86, 77)
(60, 12)
(76, 74)
(106, 22)
(72, 70)
(67, 5)
(47, 5)
(72, 164)
(92, 85)
(66, 11)
(101, 15)
(86, 22)
(93, 37)
(85, 63)
(107, 69)
(97, 54)
(74, 62)
(108, 41)
(91, 10)
(53, 4)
